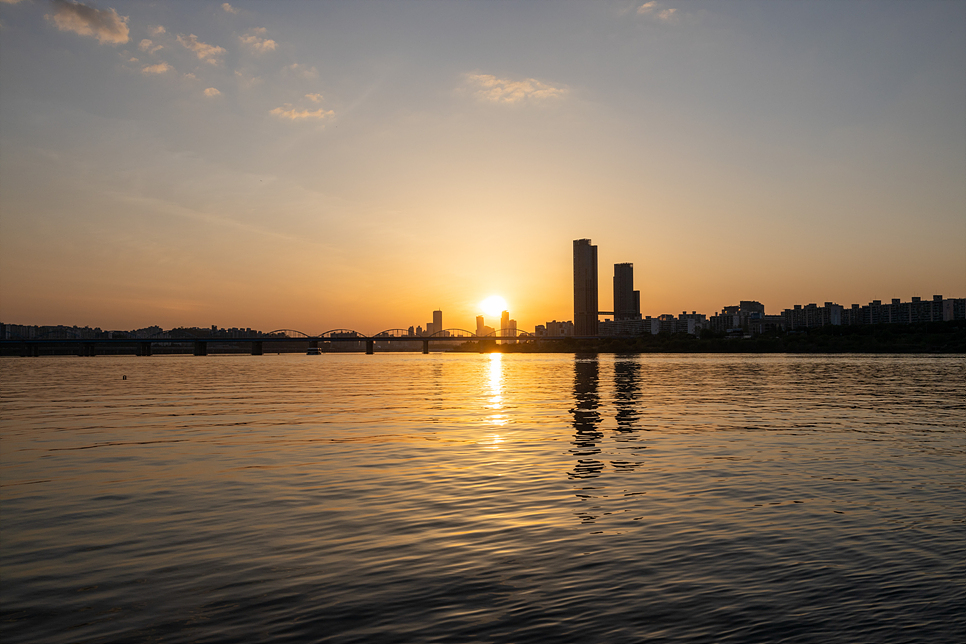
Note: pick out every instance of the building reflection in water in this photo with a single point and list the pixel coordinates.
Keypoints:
(627, 390)
(587, 435)
(627, 394)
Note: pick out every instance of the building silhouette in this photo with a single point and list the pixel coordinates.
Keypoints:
(627, 301)
(481, 328)
(436, 325)
(585, 287)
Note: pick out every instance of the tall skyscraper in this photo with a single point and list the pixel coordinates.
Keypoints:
(585, 287)
(438, 321)
(627, 301)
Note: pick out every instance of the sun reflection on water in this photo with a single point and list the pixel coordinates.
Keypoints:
(496, 392)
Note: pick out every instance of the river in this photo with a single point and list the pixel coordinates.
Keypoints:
(483, 498)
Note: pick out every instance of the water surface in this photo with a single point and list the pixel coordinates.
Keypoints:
(483, 498)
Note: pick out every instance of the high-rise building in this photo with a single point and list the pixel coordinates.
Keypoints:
(627, 301)
(436, 325)
(508, 327)
(585, 287)
(481, 328)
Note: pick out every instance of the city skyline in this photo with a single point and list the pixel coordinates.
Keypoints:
(337, 164)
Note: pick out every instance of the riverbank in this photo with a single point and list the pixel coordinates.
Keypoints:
(927, 337)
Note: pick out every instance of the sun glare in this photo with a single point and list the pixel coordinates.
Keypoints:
(493, 306)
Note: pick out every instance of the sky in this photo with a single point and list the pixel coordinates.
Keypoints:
(357, 165)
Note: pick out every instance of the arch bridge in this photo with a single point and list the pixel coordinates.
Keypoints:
(316, 343)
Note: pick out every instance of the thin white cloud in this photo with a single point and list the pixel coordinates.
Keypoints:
(9, 1)
(295, 114)
(227, 7)
(212, 92)
(258, 44)
(647, 7)
(105, 25)
(301, 70)
(204, 51)
(157, 31)
(133, 60)
(501, 90)
(315, 98)
(190, 76)
(160, 68)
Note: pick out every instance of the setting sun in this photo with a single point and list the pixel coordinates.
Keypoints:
(493, 305)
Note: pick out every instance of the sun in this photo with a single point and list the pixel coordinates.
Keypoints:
(493, 306)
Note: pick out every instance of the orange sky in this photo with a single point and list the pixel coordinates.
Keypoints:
(327, 165)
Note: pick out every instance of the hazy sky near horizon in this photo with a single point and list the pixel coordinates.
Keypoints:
(320, 165)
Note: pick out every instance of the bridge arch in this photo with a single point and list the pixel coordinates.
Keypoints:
(342, 333)
(453, 333)
(396, 333)
(288, 333)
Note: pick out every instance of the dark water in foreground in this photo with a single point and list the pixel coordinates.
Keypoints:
(483, 498)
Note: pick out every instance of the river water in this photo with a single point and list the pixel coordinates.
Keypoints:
(483, 498)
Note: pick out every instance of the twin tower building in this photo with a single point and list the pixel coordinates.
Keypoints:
(627, 301)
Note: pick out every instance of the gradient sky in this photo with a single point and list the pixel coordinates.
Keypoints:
(320, 165)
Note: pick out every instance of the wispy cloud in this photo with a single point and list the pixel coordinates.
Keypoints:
(158, 30)
(105, 25)
(258, 44)
(303, 71)
(211, 92)
(315, 98)
(149, 46)
(502, 90)
(227, 7)
(295, 114)
(654, 10)
(160, 68)
(190, 76)
(204, 51)
(9, 1)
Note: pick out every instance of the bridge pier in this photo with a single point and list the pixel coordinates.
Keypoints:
(31, 350)
(370, 347)
(87, 350)
(144, 348)
(313, 348)
(257, 349)
(425, 346)
(201, 348)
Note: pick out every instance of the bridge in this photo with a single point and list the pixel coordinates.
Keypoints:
(314, 344)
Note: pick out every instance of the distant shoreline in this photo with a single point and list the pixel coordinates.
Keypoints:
(927, 337)
(923, 338)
